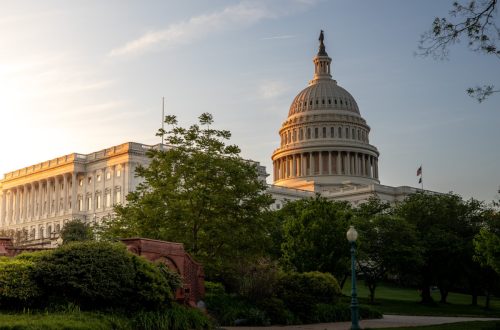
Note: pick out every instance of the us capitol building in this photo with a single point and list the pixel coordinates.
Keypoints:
(324, 149)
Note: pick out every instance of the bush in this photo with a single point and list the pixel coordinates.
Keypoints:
(232, 310)
(277, 312)
(257, 281)
(214, 288)
(17, 286)
(96, 275)
(302, 291)
(177, 317)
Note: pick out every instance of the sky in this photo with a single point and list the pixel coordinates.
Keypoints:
(81, 76)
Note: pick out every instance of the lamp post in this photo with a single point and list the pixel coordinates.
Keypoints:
(352, 235)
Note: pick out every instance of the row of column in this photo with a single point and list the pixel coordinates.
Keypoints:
(39, 199)
(326, 163)
(60, 195)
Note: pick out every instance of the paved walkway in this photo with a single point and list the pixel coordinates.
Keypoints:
(389, 321)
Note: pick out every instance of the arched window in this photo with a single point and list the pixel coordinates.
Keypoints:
(324, 132)
(316, 133)
(340, 132)
(359, 135)
(353, 135)
(347, 132)
(308, 133)
(294, 135)
(332, 131)
(301, 134)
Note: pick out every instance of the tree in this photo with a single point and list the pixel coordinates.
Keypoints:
(445, 227)
(76, 231)
(387, 245)
(487, 242)
(473, 21)
(314, 236)
(199, 192)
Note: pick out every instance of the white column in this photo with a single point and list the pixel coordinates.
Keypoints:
(65, 193)
(311, 164)
(348, 163)
(329, 162)
(4, 205)
(339, 163)
(376, 168)
(320, 160)
(32, 201)
(57, 185)
(74, 200)
(363, 164)
(294, 166)
(303, 165)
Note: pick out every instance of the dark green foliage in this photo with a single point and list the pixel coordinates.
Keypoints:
(199, 192)
(323, 313)
(314, 235)
(98, 275)
(257, 281)
(302, 291)
(76, 231)
(17, 286)
(175, 318)
(233, 310)
(386, 245)
(213, 288)
(445, 226)
(277, 311)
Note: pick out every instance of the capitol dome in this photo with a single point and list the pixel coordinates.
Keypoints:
(324, 140)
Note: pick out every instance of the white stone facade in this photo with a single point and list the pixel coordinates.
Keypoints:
(36, 201)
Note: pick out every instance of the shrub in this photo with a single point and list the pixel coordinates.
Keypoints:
(177, 317)
(153, 285)
(232, 310)
(322, 313)
(257, 281)
(213, 288)
(277, 312)
(97, 275)
(302, 291)
(17, 286)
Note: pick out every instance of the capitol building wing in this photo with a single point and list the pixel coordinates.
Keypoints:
(36, 201)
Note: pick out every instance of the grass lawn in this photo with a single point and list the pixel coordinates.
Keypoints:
(390, 299)
(76, 320)
(476, 325)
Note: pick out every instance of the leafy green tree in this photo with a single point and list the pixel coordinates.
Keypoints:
(445, 227)
(487, 242)
(387, 245)
(200, 192)
(474, 21)
(314, 236)
(76, 231)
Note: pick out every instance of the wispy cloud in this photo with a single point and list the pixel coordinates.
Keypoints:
(272, 89)
(279, 37)
(197, 27)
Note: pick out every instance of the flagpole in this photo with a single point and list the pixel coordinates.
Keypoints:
(422, 177)
(162, 119)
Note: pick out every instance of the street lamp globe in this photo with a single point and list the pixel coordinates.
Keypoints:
(352, 234)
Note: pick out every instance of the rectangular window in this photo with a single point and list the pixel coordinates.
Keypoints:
(98, 202)
(98, 178)
(80, 204)
(108, 199)
(90, 179)
(118, 196)
(89, 203)
(80, 182)
(108, 175)
(316, 133)
(118, 173)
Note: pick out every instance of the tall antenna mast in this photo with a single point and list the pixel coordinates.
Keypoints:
(162, 119)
